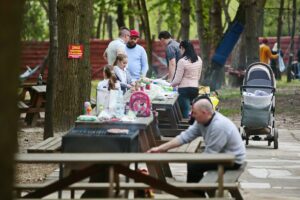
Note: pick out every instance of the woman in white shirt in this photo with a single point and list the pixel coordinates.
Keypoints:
(121, 72)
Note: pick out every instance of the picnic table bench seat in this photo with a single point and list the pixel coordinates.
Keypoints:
(35, 105)
(230, 177)
(51, 144)
(23, 107)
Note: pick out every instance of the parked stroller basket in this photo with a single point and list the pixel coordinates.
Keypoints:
(258, 105)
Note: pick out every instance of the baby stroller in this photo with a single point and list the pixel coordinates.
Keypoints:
(258, 105)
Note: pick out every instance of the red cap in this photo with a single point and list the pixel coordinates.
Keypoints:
(134, 33)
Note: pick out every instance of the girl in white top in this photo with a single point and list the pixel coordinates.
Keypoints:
(121, 72)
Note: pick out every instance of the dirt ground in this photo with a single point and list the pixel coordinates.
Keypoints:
(287, 116)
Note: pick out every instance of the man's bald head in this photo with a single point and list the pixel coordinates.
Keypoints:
(205, 105)
(202, 111)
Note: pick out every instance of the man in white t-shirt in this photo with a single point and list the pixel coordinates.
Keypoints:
(117, 46)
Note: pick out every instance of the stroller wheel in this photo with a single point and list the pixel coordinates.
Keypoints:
(275, 138)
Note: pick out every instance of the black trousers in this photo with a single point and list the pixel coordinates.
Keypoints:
(195, 173)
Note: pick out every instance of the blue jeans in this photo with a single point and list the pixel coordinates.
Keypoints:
(186, 96)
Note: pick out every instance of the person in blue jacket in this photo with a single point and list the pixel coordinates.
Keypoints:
(137, 57)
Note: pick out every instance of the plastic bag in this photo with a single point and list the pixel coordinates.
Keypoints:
(281, 63)
(116, 103)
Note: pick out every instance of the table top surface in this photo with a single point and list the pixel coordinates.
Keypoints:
(139, 121)
(39, 88)
(170, 100)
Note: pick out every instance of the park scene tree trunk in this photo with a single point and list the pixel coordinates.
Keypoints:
(10, 51)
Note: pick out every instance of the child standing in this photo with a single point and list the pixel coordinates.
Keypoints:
(121, 73)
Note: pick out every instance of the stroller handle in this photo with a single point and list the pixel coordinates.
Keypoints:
(257, 86)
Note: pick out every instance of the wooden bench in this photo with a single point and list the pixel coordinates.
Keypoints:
(53, 144)
(230, 177)
(23, 107)
(116, 161)
(37, 103)
(50, 145)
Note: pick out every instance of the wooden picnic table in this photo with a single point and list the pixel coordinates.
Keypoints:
(24, 88)
(36, 105)
(148, 137)
(116, 161)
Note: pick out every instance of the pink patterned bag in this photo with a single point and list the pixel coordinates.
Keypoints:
(140, 103)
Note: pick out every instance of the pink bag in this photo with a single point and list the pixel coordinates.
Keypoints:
(140, 103)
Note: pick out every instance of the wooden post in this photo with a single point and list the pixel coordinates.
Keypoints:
(220, 180)
(111, 181)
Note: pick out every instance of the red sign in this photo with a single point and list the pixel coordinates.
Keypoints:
(75, 51)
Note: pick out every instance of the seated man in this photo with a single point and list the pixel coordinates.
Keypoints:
(219, 133)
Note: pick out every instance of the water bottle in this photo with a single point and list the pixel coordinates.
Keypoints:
(40, 80)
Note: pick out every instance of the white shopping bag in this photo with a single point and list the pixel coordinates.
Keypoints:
(102, 100)
(281, 63)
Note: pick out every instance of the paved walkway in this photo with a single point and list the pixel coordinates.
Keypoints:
(273, 174)
(270, 174)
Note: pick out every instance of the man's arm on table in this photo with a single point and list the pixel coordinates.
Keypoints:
(166, 146)
(172, 67)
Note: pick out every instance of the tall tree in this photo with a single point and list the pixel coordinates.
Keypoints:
(10, 50)
(100, 18)
(52, 68)
(109, 23)
(202, 36)
(279, 31)
(238, 61)
(291, 50)
(251, 32)
(84, 76)
(145, 22)
(279, 22)
(185, 19)
(260, 17)
(131, 14)
(120, 13)
(216, 23)
(71, 89)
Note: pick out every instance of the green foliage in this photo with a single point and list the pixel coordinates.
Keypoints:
(229, 93)
(229, 111)
(271, 16)
(284, 84)
(168, 11)
(35, 22)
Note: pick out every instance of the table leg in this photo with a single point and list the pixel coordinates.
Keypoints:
(220, 181)
(178, 111)
(173, 120)
(145, 144)
(165, 167)
(36, 104)
(111, 181)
